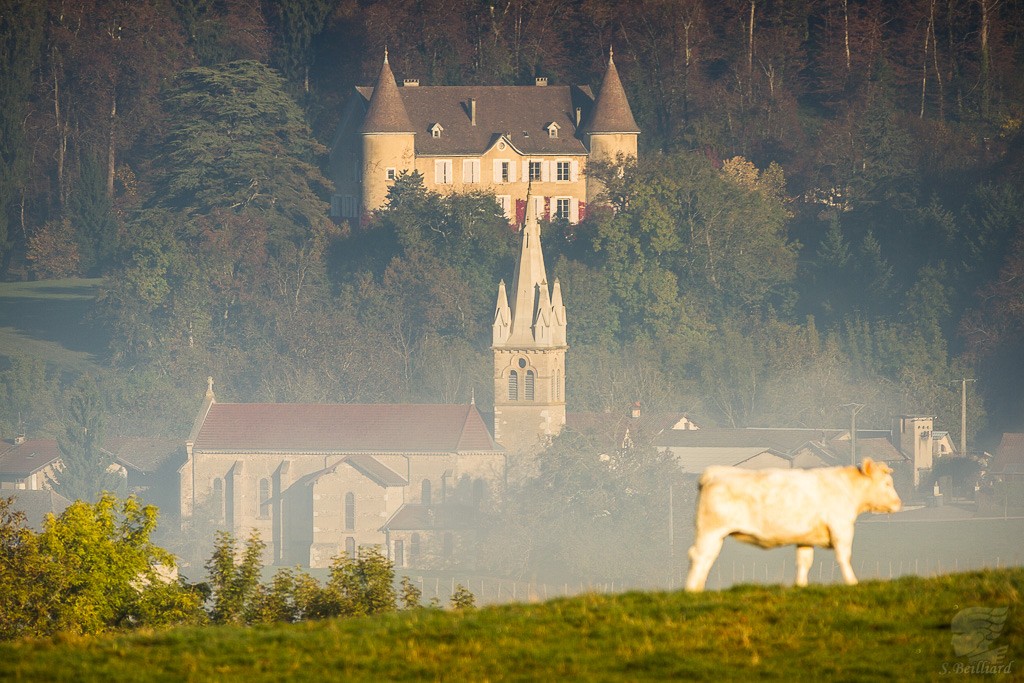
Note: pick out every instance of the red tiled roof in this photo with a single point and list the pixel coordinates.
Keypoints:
(22, 460)
(1009, 457)
(376, 470)
(344, 428)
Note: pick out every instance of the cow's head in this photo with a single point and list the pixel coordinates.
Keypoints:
(881, 494)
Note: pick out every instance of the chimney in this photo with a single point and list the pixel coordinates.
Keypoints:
(472, 111)
(579, 115)
(541, 81)
(410, 83)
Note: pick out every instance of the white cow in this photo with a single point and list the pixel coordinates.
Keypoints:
(776, 507)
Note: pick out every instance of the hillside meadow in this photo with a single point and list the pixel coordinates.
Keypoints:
(900, 630)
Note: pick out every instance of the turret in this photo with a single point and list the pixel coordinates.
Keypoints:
(611, 130)
(388, 140)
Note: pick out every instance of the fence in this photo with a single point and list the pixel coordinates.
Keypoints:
(882, 550)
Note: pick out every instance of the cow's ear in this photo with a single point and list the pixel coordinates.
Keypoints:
(867, 466)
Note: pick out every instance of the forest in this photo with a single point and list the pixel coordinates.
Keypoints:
(827, 207)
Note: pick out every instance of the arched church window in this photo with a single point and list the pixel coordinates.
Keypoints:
(414, 548)
(350, 547)
(425, 492)
(350, 511)
(513, 386)
(264, 499)
(529, 385)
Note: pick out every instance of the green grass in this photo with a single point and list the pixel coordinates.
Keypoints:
(48, 319)
(898, 630)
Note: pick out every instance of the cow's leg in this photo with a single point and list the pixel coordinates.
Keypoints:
(842, 542)
(804, 558)
(702, 555)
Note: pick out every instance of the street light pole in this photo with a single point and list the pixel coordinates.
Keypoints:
(854, 409)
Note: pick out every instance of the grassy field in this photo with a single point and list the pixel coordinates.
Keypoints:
(898, 630)
(49, 320)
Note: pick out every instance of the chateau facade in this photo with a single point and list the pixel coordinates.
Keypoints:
(509, 140)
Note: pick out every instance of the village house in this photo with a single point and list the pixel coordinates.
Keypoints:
(509, 140)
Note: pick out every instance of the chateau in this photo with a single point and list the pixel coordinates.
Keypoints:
(509, 140)
(317, 480)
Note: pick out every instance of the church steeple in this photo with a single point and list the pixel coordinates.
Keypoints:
(529, 350)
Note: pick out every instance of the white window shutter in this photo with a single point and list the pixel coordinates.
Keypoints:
(574, 209)
(574, 170)
(545, 171)
(512, 170)
(526, 170)
(497, 170)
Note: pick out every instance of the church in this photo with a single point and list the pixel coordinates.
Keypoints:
(317, 480)
(509, 140)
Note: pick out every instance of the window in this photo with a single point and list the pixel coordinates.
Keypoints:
(513, 386)
(350, 511)
(414, 548)
(443, 171)
(350, 547)
(399, 553)
(535, 170)
(562, 205)
(391, 174)
(436, 130)
(505, 202)
(264, 499)
(348, 206)
(552, 130)
(425, 492)
(504, 171)
(563, 171)
(471, 170)
(529, 385)
(558, 385)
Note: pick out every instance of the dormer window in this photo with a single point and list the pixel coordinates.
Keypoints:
(436, 130)
(552, 129)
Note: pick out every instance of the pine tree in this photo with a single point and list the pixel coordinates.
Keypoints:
(85, 471)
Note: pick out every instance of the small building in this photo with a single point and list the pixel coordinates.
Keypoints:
(36, 504)
(28, 464)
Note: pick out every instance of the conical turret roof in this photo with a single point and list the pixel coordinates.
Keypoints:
(386, 112)
(611, 110)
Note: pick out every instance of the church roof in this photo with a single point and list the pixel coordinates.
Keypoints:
(519, 113)
(386, 112)
(611, 111)
(343, 428)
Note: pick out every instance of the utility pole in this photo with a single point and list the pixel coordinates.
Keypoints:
(854, 409)
(963, 414)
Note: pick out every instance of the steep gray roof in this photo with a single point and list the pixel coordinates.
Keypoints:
(521, 113)
(386, 111)
(611, 111)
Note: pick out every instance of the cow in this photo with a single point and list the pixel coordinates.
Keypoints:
(776, 507)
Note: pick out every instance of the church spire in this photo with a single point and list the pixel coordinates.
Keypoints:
(386, 112)
(529, 277)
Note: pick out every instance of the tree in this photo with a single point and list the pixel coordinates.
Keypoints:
(85, 470)
(92, 569)
(21, 39)
(234, 583)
